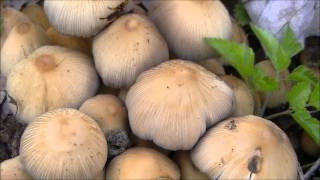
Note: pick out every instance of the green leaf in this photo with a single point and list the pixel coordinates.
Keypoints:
(290, 43)
(314, 100)
(304, 74)
(240, 56)
(262, 82)
(241, 14)
(299, 95)
(272, 48)
(308, 123)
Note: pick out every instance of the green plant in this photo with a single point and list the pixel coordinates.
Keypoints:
(303, 94)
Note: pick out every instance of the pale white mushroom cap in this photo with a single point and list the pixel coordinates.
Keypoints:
(63, 144)
(173, 103)
(23, 39)
(244, 147)
(129, 46)
(185, 24)
(51, 77)
(12, 169)
(81, 17)
(142, 163)
(37, 15)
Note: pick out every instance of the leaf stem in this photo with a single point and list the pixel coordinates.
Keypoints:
(272, 116)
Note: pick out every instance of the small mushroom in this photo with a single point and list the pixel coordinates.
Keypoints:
(37, 15)
(247, 147)
(279, 96)
(12, 169)
(238, 34)
(213, 66)
(142, 163)
(129, 46)
(244, 102)
(187, 168)
(83, 18)
(51, 77)
(23, 39)
(185, 24)
(173, 103)
(309, 146)
(72, 42)
(63, 144)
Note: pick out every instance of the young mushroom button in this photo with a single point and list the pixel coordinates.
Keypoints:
(173, 103)
(12, 169)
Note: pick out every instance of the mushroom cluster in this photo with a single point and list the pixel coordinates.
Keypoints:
(108, 89)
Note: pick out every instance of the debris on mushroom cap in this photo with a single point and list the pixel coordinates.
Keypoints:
(279, 96)
(187, 169)
(247, 147)
(174, 102)
(83, 18)
(244, 102)
(51, 77)
(142, 163)
(12, 169)
(129, 46)
(184, 24)
(108, 111)
(72, 42)
(238, 34)
(10, 18)
(63, 144)
(37, 15)
(213, 66)
(23, 39)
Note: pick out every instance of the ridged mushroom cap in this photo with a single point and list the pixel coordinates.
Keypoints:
(51, 77)
(23, 39)
(63, 144)
(244, 102)
(108, 111)
(37, 15)
(142, 163)
(129, 46)
(247, 147)
(185, 24)
(82, 17)
(12, 169)
(174, 102)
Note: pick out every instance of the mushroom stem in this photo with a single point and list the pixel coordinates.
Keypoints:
(311, 172)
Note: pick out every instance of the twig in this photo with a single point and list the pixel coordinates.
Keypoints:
(308, 175)
(272, 116)
(300, 172)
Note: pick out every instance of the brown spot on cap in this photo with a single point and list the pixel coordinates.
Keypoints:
(231, 125)
(23, 28)
(45, 63)
(254, 163)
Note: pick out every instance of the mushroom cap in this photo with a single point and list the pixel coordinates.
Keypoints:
(238, 34)
(10, 17)
(174, 102)
(142, 163)
(123, 94)
(185, 24)
(279, 96)
(244, 147)
(72, 42)
(23, 39)
(244, 102)
(213, 66)
(108, 111)
(37, 15)
(12, 169)
(309, 146)
(63, 144)
(82, 17)
(51, 77)
(129, 46)
(187, 168)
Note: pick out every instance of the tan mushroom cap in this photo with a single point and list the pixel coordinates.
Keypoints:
(213, 65)
(244, 102)
(72, 42)
(247, 147)
(238, 34)
(279, 96)
(63, 144)
(51, 77)
(12, 169)
(23, 39)
(108, 111)
(142, 163)
(173, 103)
(129, 46)
(187, 168)
(37, 15)
(185, 24)
(82, 18)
